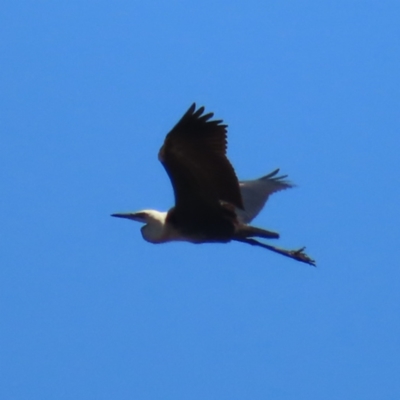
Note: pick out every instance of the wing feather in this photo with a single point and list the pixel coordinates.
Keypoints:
(255, 194)
(194, 156)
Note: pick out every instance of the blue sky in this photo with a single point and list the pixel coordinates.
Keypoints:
(89, 310)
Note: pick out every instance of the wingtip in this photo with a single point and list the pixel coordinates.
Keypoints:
(191, 108)
(198, 113)
(272, 177)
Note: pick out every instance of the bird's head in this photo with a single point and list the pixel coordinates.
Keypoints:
(153, 230)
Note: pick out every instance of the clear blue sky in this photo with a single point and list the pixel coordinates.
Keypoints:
(88, 310)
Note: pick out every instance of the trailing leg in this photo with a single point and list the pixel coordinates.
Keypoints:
(245, 231)
(298, 255)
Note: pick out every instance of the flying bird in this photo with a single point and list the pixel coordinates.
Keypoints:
(211, 205)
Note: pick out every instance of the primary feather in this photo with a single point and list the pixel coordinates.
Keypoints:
(255, 194)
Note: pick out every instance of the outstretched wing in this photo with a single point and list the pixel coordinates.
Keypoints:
(194, 156)
(255, 194)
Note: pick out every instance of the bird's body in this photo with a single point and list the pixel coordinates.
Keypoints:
(162, 227)
(211, 205)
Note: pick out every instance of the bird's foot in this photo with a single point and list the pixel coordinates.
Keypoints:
(299, 255)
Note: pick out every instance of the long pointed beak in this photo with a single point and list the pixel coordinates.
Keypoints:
(123, 215)
(134, 216)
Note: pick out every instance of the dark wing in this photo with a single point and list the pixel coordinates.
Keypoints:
(194, 156)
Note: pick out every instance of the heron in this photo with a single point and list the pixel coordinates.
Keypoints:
(211, 204)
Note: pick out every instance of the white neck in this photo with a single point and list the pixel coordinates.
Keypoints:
(155, 229)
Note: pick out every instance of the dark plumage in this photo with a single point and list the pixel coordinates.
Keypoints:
(211, 205)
